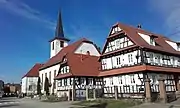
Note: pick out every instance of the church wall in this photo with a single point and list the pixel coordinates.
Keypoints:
(84, 47)
(51, 72)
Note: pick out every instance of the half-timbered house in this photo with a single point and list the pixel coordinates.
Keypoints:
(132, 54)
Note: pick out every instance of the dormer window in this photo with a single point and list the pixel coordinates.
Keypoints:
(178, 47)
(151, 40)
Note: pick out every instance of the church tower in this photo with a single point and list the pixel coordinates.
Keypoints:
(59, 41)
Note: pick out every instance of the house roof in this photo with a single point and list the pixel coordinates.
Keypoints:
(34, 71)
(132, 33)
(81, 65)
(65, 51)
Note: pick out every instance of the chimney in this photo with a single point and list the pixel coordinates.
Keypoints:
(139, 26)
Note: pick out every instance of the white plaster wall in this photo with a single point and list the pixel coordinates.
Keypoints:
(26, 82)
(57, 47)
(84, 47)
(172, 44)
(48, 70)
(146, 38)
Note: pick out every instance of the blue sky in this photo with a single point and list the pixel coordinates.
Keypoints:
(26, 26)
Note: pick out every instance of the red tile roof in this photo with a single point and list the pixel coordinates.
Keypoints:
(66, 50)
(132, 33)
(34, 71)
(82, 65)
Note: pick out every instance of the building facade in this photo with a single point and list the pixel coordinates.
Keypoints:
(131, 55)
(29, 81)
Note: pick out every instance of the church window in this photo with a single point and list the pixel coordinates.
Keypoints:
(45, 75)
(50, 77)
(53, 46)
(62, 44)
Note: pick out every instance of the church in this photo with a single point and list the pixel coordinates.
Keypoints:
(130, 55)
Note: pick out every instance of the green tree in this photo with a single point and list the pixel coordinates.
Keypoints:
(39, 86)
(46, 86)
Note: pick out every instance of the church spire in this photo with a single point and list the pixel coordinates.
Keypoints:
(59, 27)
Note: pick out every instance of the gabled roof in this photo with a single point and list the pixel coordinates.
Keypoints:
(34, 71)
(82, 65)
(65, 51)
(132, 33)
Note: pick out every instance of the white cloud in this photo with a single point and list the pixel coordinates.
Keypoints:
(19, 8)
(169, 10)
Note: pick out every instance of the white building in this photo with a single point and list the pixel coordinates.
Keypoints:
(29, 81)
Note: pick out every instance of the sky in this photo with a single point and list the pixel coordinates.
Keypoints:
(26, 26)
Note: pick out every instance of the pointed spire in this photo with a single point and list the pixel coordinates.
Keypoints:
(59, 27)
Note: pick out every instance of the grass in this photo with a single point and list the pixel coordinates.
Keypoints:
(109, 103)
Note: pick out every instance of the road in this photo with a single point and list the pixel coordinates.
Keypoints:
(31, 103)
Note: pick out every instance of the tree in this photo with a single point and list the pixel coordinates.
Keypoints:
(46, 86)
(39, 86)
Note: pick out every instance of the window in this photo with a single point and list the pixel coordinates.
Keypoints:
(158, 58)
(111, 81)
(104, 65)
(117, 43)
(50, 77)
(130, 58)
(42, 79)
(132, 78)
(151, 57)
(61, 43)
(60, 83)
(118, 59)
(178, 47)
(120, 79)
(53, 46)
(45, 75)
(65, 82)
(151, 40)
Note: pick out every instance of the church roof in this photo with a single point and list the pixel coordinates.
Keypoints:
(65, 51)
(34, 71)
